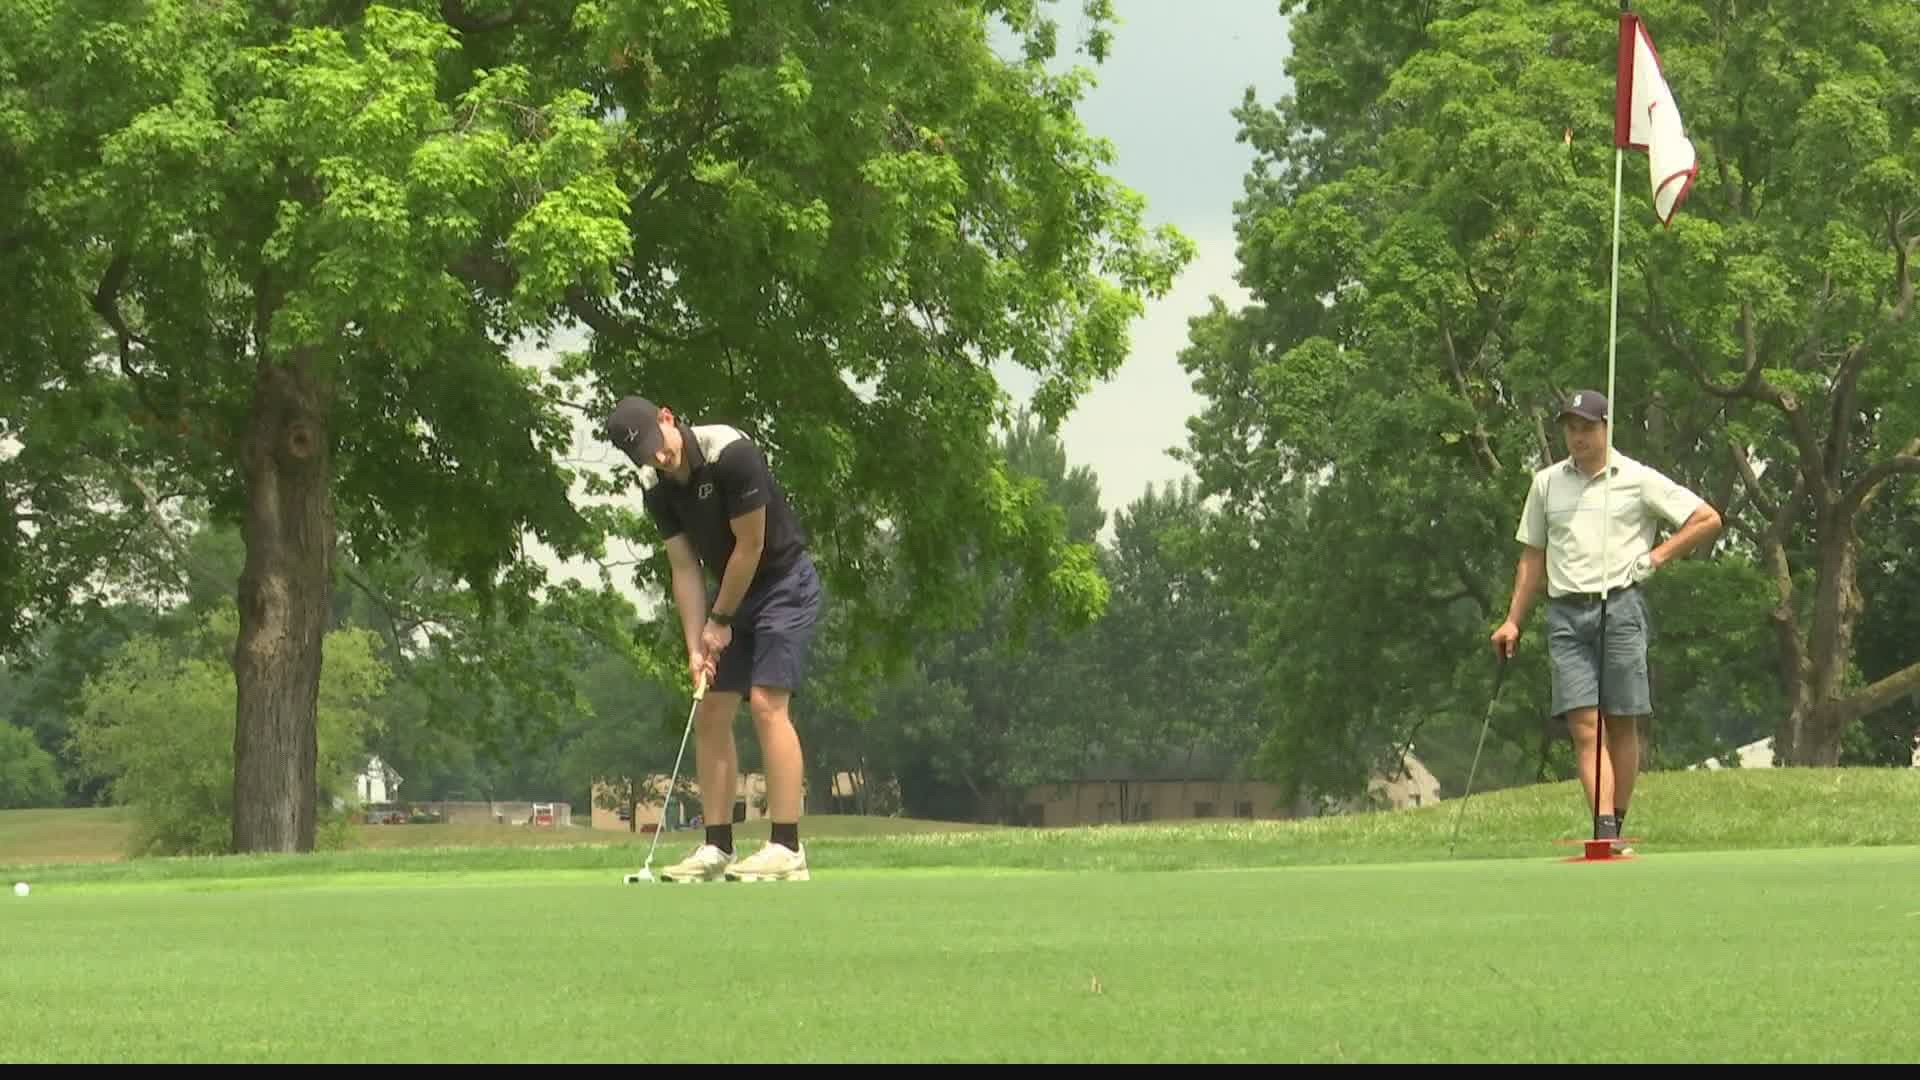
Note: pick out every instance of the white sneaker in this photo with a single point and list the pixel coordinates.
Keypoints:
(775, 862)
(707, 863)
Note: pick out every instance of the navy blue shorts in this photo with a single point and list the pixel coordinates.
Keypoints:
(773, 632)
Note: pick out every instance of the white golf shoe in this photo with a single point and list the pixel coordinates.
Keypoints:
(707, 863)
(775, 862)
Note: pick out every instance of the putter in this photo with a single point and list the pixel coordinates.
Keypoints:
(645, 873)
(1499, 680)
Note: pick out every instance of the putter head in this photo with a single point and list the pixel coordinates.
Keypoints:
(645, 874)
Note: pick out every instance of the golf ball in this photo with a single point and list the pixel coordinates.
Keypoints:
(19, 888)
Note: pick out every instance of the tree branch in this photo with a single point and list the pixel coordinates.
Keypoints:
(1863, 489)
(556, 399)
(490, 273)
(1847, 378)
(1811, 351)
(1470, 585)
(1481, 443)
(1883, 693)
(1773, 549)
(1661, 332)
(588, 309)
(478, 268)
(457, 16)
(379, 601)
(106, 303)
(1812, 461)
(672, 165)
(150, 502)
(1903, 251)
(1840, 422)
(1754, 491)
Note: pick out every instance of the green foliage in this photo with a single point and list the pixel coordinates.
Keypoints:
(1427, 237)
(824, 223)
(1888, 629)
(632, 734)
(981, 714)
(27, 773)
(158, 722)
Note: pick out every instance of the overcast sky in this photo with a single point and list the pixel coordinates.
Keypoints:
(1165, 98)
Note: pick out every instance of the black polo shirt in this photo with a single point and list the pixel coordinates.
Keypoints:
(728, 477)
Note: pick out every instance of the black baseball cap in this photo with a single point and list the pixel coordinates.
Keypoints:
(634, 426)
(1590, 404)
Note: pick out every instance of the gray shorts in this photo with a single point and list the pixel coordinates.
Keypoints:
(1573, 639)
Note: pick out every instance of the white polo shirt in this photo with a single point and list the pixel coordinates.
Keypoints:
(1567, 513)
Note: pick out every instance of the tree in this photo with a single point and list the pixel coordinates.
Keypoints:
(1010, 701)
(630, 741)
(1888, 628)
(165, 576)
(40, 684)
(976, 711)
(1427, 237)
(275, 256)
(27, 774)
(157, 724)
(1174, 643)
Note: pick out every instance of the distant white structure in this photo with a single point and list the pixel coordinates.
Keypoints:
(1759, 755)
(377, 783)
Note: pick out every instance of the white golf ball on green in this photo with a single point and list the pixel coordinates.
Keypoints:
(19, 888)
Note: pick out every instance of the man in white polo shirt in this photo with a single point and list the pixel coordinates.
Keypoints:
(1570, 519)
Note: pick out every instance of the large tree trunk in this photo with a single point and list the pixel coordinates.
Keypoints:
(1820, 708)
(284, 607)
(1816, 719)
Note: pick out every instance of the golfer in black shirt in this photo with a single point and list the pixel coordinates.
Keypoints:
(720, 512)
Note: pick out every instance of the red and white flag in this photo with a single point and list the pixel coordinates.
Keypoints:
(1646, 118)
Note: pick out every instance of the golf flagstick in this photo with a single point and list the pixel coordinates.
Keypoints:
(1645, 119)
(1606, 479)
(646, 870)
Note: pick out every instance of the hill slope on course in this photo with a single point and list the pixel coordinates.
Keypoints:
(1672, 812)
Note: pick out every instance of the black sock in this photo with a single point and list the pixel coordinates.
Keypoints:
(787, 836)
(721, 836)
(1620, 815)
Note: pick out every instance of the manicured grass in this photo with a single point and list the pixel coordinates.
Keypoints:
(42, 836)
(1672, 812)
(31, 838)
(1739, 956)
(1772, 916)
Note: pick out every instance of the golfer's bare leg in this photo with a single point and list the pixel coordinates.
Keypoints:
(1584, 724)
(1623, 750)
(719, 759)
(780, 749)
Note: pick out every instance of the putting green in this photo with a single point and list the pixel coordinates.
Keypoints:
(1744, 956)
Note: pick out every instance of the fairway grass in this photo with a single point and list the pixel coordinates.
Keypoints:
(1737, 956)
(1771, 916)
(1673, 812)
